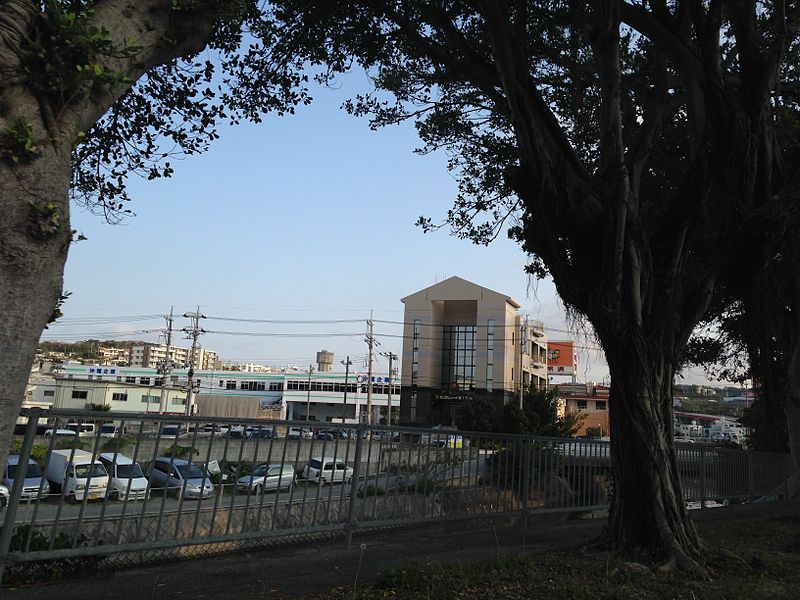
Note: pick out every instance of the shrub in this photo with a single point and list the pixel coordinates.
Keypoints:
(69, 444)
(184, 452)
(117, 444)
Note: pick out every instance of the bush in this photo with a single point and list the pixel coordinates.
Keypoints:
(38, 451)
(48, 570)
(69, 444)
(117, 444)
(371, 490)
(184, 452)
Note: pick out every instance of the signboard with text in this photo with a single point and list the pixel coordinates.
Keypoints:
(561, 358)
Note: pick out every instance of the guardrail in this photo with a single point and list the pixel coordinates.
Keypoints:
(322, 484)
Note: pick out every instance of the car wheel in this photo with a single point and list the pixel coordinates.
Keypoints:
(113, 495)
(3, 502)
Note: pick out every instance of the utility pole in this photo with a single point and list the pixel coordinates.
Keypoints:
(308, 398)
(346, 364)
(192, 333)
(165, 370)
(370, 343)
(392, 357)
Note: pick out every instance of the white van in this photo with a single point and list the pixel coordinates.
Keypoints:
(110, 430)
(74, 473)
(82, 429)
(121, 471)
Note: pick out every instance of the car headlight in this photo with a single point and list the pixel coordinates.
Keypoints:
(80, 486)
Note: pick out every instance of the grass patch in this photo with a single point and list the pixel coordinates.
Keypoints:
(770, 548)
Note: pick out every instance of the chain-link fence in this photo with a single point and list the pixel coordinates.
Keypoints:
(118, 489)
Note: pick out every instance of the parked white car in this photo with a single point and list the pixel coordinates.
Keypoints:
(5, 496)
(324, 470)
(122, 473)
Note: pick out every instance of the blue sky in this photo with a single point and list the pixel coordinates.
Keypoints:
(304, 217)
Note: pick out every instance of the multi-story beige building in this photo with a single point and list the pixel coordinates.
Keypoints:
(151, 356)
(462, 340)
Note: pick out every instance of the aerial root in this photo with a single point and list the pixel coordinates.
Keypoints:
(678, 559)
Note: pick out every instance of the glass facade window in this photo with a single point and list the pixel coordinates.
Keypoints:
(490, 355)
(415, 353)
(458, 357)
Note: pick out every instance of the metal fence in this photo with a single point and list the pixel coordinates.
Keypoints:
(209, 485)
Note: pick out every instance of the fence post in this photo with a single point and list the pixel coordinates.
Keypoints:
(16, 489)
(702, 477)
(751, 483)
(351, 509)
(527, 448)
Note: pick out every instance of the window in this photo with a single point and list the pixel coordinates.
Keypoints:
(275, 386)
(80, 394)
(221, 383)
(230, 385)
(159, 381)
(254, 386)
(151, 399)
(600, 405)
(130, 380)
(48, 393)
(490, 355)
(582, 404)
(144, 380)
(458, 357)
(415, 354)
(119, 397)
(179, 401)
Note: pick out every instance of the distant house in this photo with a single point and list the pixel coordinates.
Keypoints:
(589, 400)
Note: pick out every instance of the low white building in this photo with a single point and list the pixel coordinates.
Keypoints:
(293, 395)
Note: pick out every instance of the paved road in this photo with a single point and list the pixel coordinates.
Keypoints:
(52, 508)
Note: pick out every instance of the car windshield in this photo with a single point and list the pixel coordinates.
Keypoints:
(190, 471)
(108, 429)
(33, 471)
(260, 470)
(92, 470)
(314, 464)
(129, 471)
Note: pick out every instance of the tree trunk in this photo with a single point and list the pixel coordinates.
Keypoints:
(34, 239)
(648, 515)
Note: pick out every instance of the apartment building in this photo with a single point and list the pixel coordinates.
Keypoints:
(151, 356)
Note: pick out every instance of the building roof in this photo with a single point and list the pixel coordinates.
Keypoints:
(456, 288)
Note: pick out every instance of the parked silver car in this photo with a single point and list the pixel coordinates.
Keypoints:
(324, 470)
(178, 477)
(33, 478)
(267, 478)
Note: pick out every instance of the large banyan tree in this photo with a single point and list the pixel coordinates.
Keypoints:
(638, 148)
